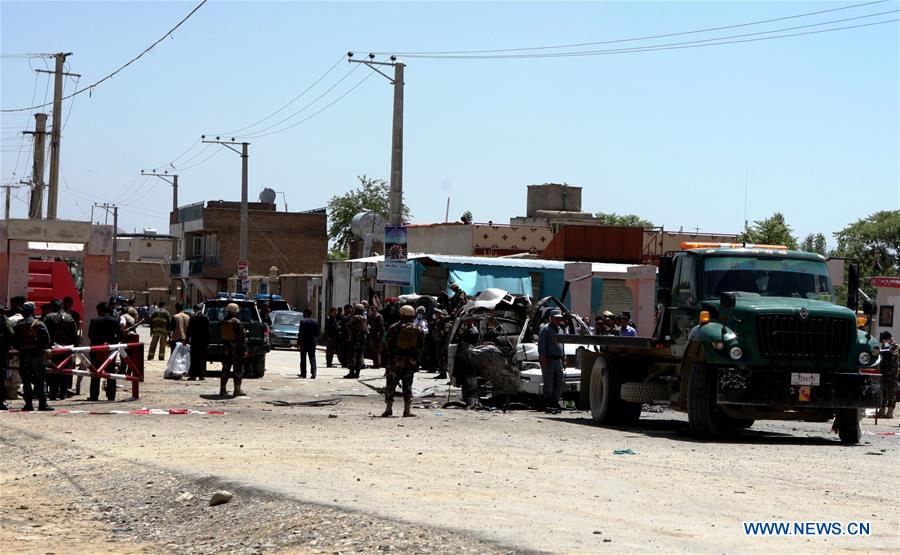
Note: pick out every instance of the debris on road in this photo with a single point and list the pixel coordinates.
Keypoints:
(624, 452)
(314, 403)
(220, 498)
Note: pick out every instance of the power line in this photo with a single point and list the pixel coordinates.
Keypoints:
(201, 162)
(304, 108)
(316, 82)
(92, 86)
(659, 47)
(632, 39)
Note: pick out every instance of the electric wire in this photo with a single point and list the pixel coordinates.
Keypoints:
(314, 114)
(201, 162)
(92, 86)
(306, 90)
(173, 160)
(660, 47)
(22, 142)
(633, 39)
(304, 108)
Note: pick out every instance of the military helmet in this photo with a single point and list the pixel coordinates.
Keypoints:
(407, 310)
(232, 308)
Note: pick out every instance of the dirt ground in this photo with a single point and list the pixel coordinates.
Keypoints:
(339, 479)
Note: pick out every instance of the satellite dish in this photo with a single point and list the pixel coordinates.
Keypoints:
(267, 196)
(368, 222)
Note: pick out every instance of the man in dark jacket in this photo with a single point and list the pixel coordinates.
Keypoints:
(306, 342)
(331, 336)
(103, 330)
(198, 339)
(64, 332)
(31, 339)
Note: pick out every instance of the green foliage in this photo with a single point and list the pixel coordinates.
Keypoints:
(875, 242)
(371, 194)
(771, 231)
(611, 218)
(335, 255)
(814, 243)
(466, 218)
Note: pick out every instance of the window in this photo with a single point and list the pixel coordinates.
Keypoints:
(197, 245)
(886, 316)
(684, 281)
(804, 279)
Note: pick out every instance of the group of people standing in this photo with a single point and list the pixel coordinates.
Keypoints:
(171, 329)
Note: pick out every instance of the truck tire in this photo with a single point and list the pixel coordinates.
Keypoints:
(847, 421)
(740, 423)
(258, 366)
(607, 406)
(645, 392)
(705, 419)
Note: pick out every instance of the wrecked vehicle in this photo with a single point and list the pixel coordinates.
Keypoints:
(493, 345)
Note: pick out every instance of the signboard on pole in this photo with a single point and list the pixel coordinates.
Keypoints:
(395, 249)
(397, 273)
(243, 275)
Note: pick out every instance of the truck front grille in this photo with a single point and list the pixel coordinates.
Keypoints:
(815, 338)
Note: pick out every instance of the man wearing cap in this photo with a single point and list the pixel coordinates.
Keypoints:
(159, 331)
(31, 339)
(404, 345)
(551, 356)
(358, 331)
(458, 300)
(234, 343)
(63, 332)
(890, 361)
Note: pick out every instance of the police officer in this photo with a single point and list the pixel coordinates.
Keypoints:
(551, 358)
(31, 338)
(331, 336)
(890, 361)
(234, 342)
(103, 330)
(358, 332)
(404, 345)
(63, 331)
(441, 333)
(458, 300)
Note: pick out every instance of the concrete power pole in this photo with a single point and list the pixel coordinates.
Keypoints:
(243, 153)
(58, 74)
(36, 204)
(174, 183)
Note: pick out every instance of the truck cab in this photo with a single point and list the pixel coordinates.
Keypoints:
(257, 331)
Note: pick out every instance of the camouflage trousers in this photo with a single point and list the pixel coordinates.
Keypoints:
(889, 388)
(355, 356)
(402, 375)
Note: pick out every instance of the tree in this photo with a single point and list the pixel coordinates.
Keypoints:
(814, 243)
(771, 231)
(875, 242)
(631, 220)
(466, 218)
(373, 195)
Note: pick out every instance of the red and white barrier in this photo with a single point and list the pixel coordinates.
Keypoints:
(130, 354)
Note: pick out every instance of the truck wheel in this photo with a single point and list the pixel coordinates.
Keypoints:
(258, 366)
(740, 423)
(848, 426)
(704, 417)
(607, 406)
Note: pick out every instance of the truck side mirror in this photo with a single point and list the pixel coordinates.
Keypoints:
(664, 296)
(728, 299)
(869, 307)
(853, 286)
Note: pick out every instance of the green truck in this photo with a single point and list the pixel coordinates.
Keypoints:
(743, 333)
(257, 333)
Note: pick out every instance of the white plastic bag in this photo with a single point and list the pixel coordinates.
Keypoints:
(179, 362)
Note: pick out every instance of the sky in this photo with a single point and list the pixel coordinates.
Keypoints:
(810, 122)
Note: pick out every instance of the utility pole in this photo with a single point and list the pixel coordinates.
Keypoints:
(174, 183)
(8, 187)
(113, 269)
(395, 200)
(36, 206)
(243, 263)
(55, 130)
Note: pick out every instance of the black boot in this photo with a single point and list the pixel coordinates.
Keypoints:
(388, 409)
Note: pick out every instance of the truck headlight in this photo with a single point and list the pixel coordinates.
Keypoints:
(735, 353)
(864, 358)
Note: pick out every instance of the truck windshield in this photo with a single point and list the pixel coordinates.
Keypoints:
(804, 279)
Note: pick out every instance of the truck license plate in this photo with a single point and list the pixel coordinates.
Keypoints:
(798, 378)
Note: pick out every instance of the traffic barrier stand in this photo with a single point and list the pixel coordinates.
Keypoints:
(129, 354)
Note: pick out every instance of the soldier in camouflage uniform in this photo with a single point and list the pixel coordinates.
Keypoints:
(63, 331)
(31, 338)
(440, 332)
(357, 333)
(458, 300)
(890, 361)
(404, 345)
(234, 342)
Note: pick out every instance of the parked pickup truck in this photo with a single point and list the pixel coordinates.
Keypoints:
(257, 334)
(743, 333)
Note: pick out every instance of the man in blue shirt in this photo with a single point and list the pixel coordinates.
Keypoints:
(551, 356)
(625, 330)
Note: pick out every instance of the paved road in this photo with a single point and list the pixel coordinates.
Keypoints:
(523, 479)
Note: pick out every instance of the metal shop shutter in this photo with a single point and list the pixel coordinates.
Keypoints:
(616, 296)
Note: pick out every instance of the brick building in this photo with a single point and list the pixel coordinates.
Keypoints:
(209, 238)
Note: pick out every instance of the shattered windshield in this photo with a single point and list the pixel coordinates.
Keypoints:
(804, 279)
